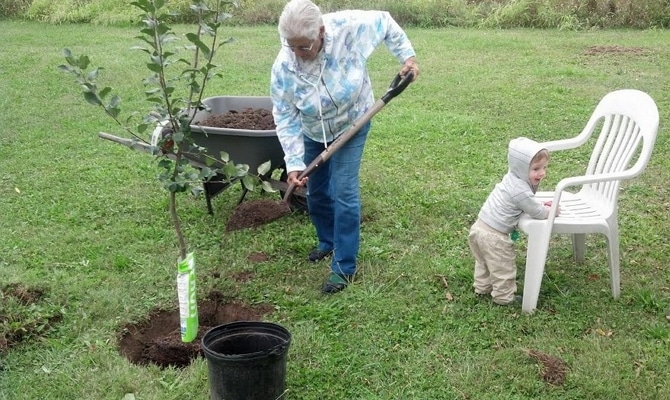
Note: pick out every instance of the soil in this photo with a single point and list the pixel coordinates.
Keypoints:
(256, 119)
(595, 50)
(158, 339)
(256, 213)
(28, 325)
(553, 370)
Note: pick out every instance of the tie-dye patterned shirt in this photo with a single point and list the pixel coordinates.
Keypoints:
(337, 79)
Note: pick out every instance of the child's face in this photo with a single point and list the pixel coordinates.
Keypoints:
(538, 170)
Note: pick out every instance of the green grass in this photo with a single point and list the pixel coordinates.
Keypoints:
(85, 221)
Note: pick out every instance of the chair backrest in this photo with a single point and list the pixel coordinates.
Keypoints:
(629, 124)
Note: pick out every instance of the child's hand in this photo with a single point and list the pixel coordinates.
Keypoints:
(548, 205)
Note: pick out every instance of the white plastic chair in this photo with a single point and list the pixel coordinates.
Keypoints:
(629, 123)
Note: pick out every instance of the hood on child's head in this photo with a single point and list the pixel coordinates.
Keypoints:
(519, 155)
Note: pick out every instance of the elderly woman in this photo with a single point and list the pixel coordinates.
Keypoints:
(319, 87)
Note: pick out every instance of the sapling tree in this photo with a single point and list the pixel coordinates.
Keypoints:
(174, 98)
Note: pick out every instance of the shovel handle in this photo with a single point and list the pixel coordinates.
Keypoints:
(398, 84)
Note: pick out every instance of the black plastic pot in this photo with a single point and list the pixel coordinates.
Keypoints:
(246, 360)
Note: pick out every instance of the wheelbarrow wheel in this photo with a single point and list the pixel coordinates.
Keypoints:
(296, 202)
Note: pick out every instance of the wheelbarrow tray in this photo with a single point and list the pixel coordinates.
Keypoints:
(244, 146)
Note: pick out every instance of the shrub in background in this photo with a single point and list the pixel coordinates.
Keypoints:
(563, 14)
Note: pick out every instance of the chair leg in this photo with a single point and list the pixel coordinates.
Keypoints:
(613, 258)
(536, 256)
(578, 247)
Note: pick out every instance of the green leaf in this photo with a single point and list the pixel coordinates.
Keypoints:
(206, 173)
(92, 75)
(165, 163)
(264, 168)
(141, 128)
(104, 92)
(249, 183)
(92, 98)
(267, 187)
(229, 170)
(242, 169)
(83, 62)
(114, 112)
(115, 101)
(224, 156)
(66, 68)
(154, 67)
(193, 38)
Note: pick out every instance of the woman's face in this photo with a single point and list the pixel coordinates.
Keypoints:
(305, 48)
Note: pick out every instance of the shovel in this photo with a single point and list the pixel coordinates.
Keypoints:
(253, 214)
(395, 88)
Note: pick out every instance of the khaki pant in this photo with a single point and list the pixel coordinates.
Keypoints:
(495, 264)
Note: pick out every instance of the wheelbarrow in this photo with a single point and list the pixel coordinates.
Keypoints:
(244, 146)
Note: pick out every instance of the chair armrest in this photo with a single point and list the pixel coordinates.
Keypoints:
(563, 144)
(586, 179)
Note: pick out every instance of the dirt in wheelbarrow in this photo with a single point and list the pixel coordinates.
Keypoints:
(255, 119)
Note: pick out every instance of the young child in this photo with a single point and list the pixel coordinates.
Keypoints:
(489, 238)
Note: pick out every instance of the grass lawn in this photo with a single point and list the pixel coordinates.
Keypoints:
(84, 223)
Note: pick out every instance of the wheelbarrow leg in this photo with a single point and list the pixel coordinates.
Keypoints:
(208, 197)
(212, 188)
(244, 193)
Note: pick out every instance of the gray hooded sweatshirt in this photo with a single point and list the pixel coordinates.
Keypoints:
(514, 194)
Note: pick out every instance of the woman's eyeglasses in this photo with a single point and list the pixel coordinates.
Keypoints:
(301, 48)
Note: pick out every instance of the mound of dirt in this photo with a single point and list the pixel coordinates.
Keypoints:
(256, 213)
(553, 370)
(158, 339)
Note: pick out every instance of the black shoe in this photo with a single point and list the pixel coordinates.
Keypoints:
(318, 255)
(336, 283)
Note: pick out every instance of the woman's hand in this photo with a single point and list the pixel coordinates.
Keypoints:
(292, 178)
(410, 65)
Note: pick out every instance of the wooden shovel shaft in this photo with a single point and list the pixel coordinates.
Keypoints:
(398, 84)
(335, 146)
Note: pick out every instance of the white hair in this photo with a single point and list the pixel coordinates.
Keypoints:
(300, 19)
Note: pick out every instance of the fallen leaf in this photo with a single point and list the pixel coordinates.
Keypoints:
(607, 333)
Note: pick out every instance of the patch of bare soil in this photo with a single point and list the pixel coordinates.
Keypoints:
(27, 323)
(24, 294)
(158, 339)
(256, 213)
(258, 257)
(595, 50)
(553, 369)
(257, 119)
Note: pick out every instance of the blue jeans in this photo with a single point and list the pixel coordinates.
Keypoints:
(334, 201)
